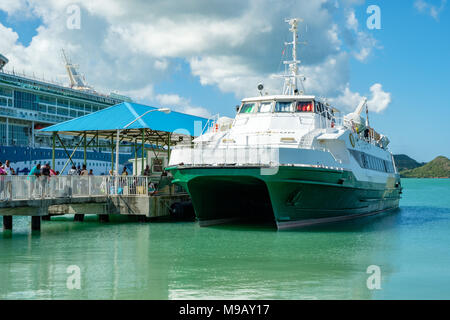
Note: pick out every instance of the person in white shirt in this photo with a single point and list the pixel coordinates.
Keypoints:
(8, 169)
(9, 173)
(73, 171)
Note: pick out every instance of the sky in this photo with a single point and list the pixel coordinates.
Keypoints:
(203, 56)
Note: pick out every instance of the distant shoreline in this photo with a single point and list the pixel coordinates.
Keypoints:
(425, 177)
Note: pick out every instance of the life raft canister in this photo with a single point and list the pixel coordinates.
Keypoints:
(352, 139)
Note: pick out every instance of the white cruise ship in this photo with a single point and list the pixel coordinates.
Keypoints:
(28, 104)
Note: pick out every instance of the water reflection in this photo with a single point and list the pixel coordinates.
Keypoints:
(183, 261)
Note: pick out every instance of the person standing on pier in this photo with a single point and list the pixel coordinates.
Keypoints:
(8, 181)
(72, 171)
(45, 178)
(84, 171)
(34, 174)
(2, 178)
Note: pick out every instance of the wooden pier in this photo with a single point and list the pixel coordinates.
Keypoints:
(103, 196)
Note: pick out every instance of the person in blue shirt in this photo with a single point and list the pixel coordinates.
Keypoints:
(34, 173)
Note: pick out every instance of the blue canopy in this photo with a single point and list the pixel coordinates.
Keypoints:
(119, 115)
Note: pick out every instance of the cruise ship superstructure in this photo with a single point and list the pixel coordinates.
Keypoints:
(28, 104)
(291, 158)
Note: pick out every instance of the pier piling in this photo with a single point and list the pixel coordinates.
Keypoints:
(7, 222)
(78, 217)
(103, 217)
(35, 223)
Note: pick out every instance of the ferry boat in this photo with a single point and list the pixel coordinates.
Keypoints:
(292, 159)
(28, 104)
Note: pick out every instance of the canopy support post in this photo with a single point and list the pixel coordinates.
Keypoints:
(53, 150)
(70, 156)
(112, 153)
(135, 157)
(85, 151)
(168, 149)
(142, 151)
(117, 152)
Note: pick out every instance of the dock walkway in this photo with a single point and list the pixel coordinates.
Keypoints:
(42, 197)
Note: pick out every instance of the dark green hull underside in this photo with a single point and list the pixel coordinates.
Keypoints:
(293, 197)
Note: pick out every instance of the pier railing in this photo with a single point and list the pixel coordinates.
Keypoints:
(44, 187)
(227, 155)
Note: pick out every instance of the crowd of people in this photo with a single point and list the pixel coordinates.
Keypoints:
(39, 179)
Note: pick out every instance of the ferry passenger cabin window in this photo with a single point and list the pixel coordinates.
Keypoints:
(265, 107)
(283, 106)
(247, 108)
(368, 161)
(304, 106)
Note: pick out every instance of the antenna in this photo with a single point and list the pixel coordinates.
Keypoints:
(292, 76)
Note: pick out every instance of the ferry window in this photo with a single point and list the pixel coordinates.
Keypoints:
(265, 107)
(304, 106)
(51, 110)
(3, 102)
(320, 108)
(283, 107)
(328, 113)
(247, 108)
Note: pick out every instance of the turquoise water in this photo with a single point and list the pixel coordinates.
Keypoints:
(130, 260)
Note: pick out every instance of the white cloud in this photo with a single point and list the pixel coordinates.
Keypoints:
(130, 45)
(143, 95)
(362, 42)
(380, 99)
(181, 104)
(12, 6)
(352, 22)
(348, 101)
(431, 9)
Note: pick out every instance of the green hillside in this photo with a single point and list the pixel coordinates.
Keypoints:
(403, 162)
(438, 168)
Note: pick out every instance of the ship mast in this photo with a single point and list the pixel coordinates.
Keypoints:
(76, 80)
(291, 77)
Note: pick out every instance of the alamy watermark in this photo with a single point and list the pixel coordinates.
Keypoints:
(374, 20)
(73, 21)
(74, 278)
(374, 280)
